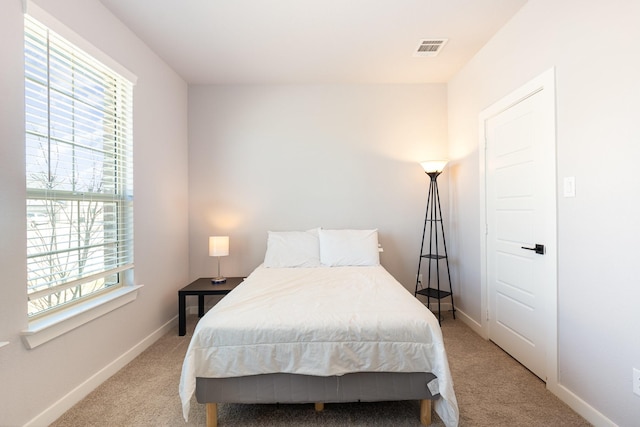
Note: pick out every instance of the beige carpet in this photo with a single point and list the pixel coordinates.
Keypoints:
(492, 390)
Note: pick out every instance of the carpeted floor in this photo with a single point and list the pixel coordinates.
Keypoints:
(492, 390)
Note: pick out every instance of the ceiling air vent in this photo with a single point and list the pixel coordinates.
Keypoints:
(430, 47)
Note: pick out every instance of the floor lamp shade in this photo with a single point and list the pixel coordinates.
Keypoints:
(218, 246)
(432, 166)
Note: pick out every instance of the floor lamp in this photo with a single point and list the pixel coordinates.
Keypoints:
(436, 249)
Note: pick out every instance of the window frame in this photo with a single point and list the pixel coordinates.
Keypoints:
(52, 323)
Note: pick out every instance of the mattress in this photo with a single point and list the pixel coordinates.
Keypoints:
(325, 321)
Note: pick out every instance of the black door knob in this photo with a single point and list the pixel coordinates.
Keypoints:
(539, 249)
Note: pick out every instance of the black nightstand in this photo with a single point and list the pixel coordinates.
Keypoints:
(202, 287)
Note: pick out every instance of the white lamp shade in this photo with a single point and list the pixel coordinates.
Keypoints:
(218, 245)
(431, 166)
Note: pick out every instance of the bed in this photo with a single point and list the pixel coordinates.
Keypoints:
(338, 328)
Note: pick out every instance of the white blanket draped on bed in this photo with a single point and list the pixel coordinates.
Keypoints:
(319, 321)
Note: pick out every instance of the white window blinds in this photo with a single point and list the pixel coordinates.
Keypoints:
(79, 172)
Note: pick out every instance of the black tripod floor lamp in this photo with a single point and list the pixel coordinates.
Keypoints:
(433, 249)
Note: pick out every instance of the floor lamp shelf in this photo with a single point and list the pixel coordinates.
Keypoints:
(433, 293)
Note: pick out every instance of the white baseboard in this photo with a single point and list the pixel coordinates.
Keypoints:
(444, 306)
(54, 411)
(585, 410)
(472, 323)
(464, 317)
(193, 309)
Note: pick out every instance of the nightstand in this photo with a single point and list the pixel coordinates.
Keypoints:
(202, 287)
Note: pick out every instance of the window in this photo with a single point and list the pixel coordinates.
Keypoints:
(79, 173)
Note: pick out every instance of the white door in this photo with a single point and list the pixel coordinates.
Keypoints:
(520, 191)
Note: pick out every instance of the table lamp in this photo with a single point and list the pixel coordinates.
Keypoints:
(218, 246)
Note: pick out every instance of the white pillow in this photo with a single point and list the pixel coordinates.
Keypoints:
(349, 247)
(292, 249)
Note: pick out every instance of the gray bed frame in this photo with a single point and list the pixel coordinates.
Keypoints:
(295, 388)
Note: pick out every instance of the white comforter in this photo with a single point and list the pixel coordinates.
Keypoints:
(319, 321)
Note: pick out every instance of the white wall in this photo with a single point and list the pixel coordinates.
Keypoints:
(35, 384)
(295, 157)
(593, 47)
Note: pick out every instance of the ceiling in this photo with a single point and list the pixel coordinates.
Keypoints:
(313, 41)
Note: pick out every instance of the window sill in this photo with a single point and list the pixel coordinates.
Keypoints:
(50, 327)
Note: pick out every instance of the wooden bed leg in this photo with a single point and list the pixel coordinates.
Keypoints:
(425, 412)
(319, 406)
(212, 415)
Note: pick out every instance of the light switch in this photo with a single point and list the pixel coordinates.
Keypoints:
(569, 186)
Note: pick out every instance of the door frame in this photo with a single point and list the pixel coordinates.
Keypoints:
(545, 85)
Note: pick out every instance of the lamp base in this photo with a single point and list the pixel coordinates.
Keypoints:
(217, 280)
